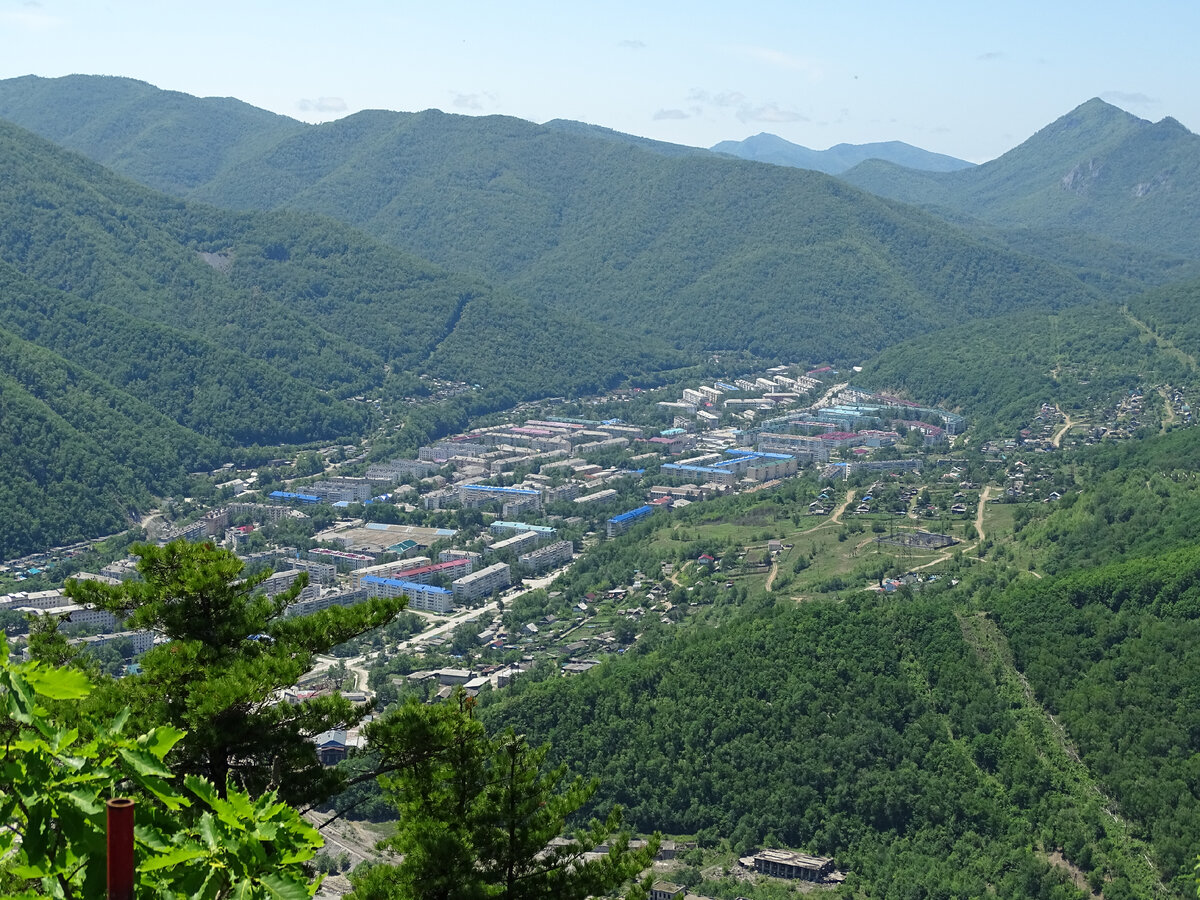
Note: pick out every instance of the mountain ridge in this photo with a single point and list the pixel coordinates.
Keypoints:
(770, 148)
(1097, 169)
(637, 239)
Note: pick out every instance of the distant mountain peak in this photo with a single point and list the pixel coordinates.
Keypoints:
(1097, 169)
(770, 148)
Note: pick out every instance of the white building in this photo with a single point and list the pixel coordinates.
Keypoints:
(482, 583)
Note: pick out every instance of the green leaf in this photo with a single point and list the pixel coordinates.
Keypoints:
(88, 804)
(143, 763)
(172, 858)
(21, 703)
(164, 791)
(160, 741)
(201, 787)
(58, 684)
(285, 888)
(207, 831)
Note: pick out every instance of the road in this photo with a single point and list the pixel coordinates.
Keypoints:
(1056, 441)
(357, 665)
(836, 518)
(984, 496)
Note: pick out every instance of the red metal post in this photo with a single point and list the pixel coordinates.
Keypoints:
(120, 849)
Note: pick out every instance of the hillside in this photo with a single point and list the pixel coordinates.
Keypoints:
(239, 330)
(141, 131)
(77, 455)
(1097, 169)
(876, 731)
(1011, 713)
(936, 741)
(322, 303)
(696, 250)
(657, 245)
(770, 148)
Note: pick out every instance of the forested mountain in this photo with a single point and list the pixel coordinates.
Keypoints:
(321, 303)
(869, 730)
(770, 148)
(1024, 726)
(695, 249)
(1097, 169)
(1002, 370)
(77, 456)
(240, 329)
(161, 138)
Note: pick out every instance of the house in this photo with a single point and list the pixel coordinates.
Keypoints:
(332, 745)
(452, 676)
(666, 890)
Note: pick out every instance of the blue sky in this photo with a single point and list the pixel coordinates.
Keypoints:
(968, 79)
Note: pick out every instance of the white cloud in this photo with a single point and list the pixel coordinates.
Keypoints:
(1124, 97)
(323, 105)
(743, 107)
(670, 114)
(724, 98)
(769, 112)
(477, 102)
(632, 45)
(30, 19)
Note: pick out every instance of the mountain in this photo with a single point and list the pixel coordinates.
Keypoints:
(1097, 169)
(323, 304)
(701, 251)
(141, 131)
(770, 148)
(77, 455)
(570, 126)
(148, 337)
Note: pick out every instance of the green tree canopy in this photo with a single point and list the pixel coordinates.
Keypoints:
(483, 816)
(230, 651)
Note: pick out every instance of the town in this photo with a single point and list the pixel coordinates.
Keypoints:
(480, 531)
(479, 519)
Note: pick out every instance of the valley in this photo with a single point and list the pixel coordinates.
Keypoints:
(832, 527)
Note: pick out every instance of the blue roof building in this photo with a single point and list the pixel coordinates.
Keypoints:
(622, 523)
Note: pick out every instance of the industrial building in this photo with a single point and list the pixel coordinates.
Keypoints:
(787, 864)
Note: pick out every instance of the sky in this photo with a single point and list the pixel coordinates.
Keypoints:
(967, 79)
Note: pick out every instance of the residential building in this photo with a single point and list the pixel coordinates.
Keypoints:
(522, 541)
(476, 495)
(547, 557)
(324, 598)
(475, 558)
(427, 597)
(483, 583)
(502, 527)
(343, 559)
(319, 572)
(622, 523)
(420, 574)
(140, 641)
